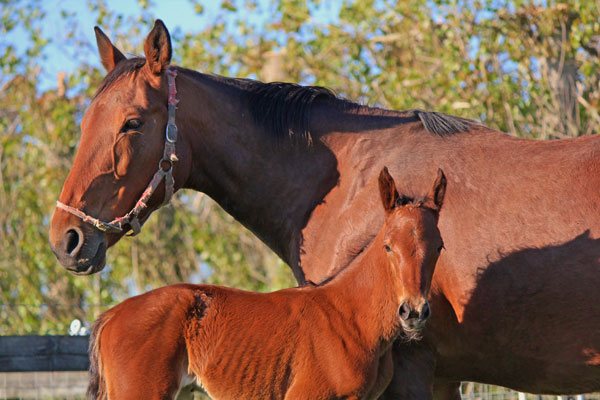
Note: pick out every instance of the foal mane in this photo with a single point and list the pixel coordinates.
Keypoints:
(283, 109)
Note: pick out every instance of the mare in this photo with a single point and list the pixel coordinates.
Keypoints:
(311, 342)
(515, 294)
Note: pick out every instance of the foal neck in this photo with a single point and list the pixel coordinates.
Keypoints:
(365, 290)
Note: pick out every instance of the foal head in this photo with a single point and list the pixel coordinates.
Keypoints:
(412, 244)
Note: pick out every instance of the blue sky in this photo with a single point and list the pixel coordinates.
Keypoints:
(177, 15)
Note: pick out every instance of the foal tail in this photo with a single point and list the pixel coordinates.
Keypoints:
(97, 387)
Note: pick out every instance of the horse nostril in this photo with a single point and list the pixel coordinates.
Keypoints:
(404, 311)
(73, 241)
(425, 311)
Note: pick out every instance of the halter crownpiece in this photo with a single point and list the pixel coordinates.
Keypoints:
(165, 170)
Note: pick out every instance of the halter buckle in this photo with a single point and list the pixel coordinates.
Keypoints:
(165, 160)
(135, 225)
(171, 132)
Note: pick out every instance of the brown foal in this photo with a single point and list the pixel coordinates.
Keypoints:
(312, 342)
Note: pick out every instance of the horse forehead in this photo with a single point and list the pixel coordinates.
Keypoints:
(407, 218)
(112, 106)
(128, 91)
(410, 224)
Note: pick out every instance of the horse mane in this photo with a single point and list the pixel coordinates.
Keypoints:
(283, 109)
(122, 69)
(443, 124)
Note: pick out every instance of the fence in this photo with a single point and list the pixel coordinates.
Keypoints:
(43, 367)
(55, 367)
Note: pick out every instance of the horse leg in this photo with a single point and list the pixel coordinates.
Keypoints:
(385, 371)
(414, 366)
(446, 390)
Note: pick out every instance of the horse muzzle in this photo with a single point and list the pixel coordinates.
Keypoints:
(79, 251)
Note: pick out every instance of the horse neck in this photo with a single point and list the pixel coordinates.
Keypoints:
(269, 187)
(365, 289)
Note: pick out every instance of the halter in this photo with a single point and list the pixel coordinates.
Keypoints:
(165, 170)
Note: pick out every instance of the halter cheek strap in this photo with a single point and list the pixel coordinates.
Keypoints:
(165, 171)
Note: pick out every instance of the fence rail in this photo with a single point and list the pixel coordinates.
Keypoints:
(43, 353)
(51, 367)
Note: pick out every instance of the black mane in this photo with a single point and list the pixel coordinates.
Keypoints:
(443, 124)
(123, 68)
(283, 109)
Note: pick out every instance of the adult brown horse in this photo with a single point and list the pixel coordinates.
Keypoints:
(314, 342)
(515, 298)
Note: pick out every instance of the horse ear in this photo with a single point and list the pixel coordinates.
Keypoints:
(387, 190)
(109, 54)
(158, 48)
(438, 190)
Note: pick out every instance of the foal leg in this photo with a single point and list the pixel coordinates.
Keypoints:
(154, 371)
(414, 366)
(143, 354)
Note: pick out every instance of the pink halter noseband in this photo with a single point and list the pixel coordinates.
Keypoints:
(165, 170)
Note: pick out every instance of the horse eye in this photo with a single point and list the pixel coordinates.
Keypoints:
(440, 248)
(131, 125)
(387, 248)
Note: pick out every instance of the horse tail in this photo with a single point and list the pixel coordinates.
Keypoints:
(97, 387)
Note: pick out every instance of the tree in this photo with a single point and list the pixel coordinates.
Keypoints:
(523, 67)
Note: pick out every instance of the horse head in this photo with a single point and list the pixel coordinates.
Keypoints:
(124, 166)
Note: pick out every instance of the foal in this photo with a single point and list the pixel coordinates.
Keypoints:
(312, 342)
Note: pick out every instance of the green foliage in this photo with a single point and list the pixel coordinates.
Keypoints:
(527, 69)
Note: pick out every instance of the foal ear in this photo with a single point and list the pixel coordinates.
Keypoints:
(438, 190)
(109, 54)
(387, 190)
(158, 48)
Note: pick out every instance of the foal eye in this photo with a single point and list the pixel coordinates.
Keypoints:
(387, 248)
(131, 125)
